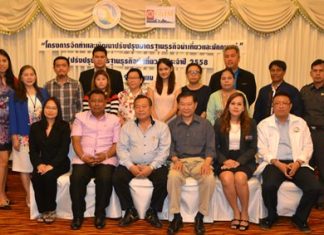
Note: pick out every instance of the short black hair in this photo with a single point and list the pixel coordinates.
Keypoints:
(317, 62)
(61, 58)
(143, 97)
(193, 64)
(99, 48)
(186, 94)
(282, 93)
(96, 91)
(137, 70)
(281, 64)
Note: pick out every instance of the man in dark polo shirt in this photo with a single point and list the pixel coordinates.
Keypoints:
(99, 59)
(313, 113)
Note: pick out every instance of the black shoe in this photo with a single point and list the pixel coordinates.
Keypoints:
(175, 225)
(100, 222)
(130, 216)
(302, 226)
(152, 218)
(319, 206)
(199, 226)
(266, 223)
(76, 223)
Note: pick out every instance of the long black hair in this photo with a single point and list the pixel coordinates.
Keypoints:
(59, 116)
(159, 80)
(10, 78)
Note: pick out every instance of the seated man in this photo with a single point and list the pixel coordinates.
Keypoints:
(142, 149)
(285, 143)
(192, 153)
(94, 137)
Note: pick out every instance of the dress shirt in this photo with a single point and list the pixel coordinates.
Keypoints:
(145, 148)
(284, 148)
(194, 140)
(97, 135)
(70, 95)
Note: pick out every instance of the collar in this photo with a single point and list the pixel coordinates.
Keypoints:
(152, 121)
(179, 120)
(68, 80)
(90, 115)
(313, 87)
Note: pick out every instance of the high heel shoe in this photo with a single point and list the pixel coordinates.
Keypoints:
(235, 223)
(244, 227)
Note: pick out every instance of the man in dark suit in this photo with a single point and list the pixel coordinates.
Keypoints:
(244, 80)
(263, 105)
(99, 58)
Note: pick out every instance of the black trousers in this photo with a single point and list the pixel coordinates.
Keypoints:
(81, 176)
(318, 157)
(45, 188)
(158, 177)
(304, 179)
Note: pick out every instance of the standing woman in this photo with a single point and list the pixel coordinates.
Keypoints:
(164, 91)
(202, 92)
(135, 80)
(49, 141)
(101, 81)
(7, 84)
(218, 99)
(236, 146)
(25, 107)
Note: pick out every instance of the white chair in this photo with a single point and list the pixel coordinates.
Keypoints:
(63, 200)
(223, 211)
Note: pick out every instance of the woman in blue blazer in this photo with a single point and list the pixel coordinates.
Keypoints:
(25, 107)
(236, 146)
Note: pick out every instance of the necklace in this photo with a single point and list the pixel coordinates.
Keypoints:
(33, 102)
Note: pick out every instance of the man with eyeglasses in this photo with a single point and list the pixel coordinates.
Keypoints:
(202, 92)
(285, 144)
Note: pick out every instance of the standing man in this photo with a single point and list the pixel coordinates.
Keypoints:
(192, 153)
(244, 80)
(313, 100)
(143, 148)
(67, 90)
(263, 106)
(285, 144)
(94, 137)
(99, 59)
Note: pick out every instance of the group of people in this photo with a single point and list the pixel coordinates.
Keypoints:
(162, 132)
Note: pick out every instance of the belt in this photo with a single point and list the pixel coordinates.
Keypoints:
(316, 128)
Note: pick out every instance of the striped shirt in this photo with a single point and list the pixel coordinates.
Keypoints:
(111, 105)
(70, 95)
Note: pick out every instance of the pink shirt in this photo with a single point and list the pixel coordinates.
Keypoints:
(97, 135)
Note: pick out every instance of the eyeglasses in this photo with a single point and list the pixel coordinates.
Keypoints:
(193, 72)
(133, 78)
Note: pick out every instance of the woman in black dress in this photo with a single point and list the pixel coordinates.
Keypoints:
(49, 141)
(236, 146)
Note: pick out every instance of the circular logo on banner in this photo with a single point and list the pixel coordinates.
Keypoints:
(106, 14)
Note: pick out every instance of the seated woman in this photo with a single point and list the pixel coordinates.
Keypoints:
(218, 99)
(236, 146)
(49, 141)
(135, 80)
(101, 81)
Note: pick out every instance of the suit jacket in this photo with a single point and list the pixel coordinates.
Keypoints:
(248, 146)
(52, 149)
(115, 76)
(263, 104)
(245, 82)
(18, 113)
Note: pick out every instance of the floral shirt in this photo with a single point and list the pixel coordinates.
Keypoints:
(126, 102)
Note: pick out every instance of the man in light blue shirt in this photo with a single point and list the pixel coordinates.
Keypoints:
(142, 149)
